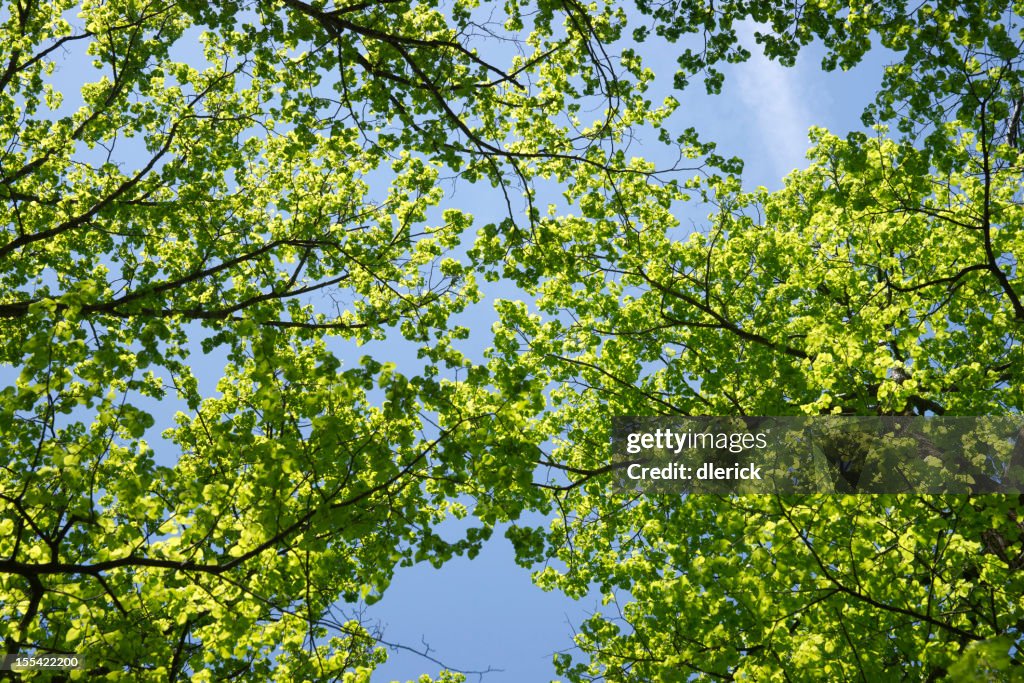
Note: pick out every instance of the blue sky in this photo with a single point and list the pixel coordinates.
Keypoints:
(485, 613)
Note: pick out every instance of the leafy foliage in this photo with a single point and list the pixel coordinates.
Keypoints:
(266, 184)
(884, 279)
(261, 183)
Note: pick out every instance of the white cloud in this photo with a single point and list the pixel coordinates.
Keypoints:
(776, 103)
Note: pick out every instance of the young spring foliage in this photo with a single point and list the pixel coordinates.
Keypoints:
(883, 279)
(261, 188)
(206, 209)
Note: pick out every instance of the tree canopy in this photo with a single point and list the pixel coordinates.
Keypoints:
(279, 186)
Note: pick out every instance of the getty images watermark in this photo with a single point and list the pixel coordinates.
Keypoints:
(820, 454)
